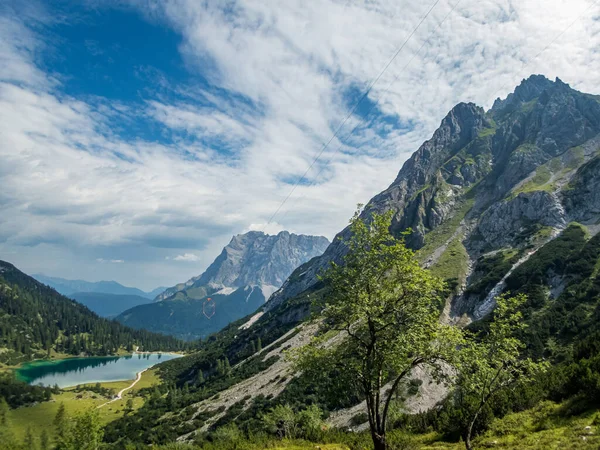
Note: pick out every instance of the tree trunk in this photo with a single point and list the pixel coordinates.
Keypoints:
(469, 432)
(468, 441)
(379, 441)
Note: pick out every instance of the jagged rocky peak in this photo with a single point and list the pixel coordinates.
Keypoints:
(459, 126)
(256, 259)
(528, 90)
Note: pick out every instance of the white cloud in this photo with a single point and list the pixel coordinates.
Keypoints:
(72, 189)
(111, 261)
(189, 257)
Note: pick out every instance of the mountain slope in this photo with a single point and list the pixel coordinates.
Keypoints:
(186, 319)
(68, 287)
(498, 201)
(251, 267)
(35, 320)
(510, 178)
(108, 305)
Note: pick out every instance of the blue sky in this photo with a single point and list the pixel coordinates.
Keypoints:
(138, 136)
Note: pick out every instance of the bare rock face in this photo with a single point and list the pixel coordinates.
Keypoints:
(528, 165)
(504, 221)
(255, 259)
(582, 199)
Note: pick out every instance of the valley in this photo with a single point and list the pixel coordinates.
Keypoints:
(78, 399)
(288, 225)
(237, 283)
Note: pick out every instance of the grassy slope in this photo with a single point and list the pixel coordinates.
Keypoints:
(444, 232)
(549, 174)
(40, 416)
(540, 428)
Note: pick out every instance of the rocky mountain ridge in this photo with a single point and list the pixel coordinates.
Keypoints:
(509, 178)
(255, 259)
(247, 271)
(69, 287)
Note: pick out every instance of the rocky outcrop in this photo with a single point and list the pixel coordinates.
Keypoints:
(582, 198)
(505, 221)
(420, 197)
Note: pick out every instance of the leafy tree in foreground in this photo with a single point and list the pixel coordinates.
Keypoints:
(87, 431)
(493, 362)
(386, 307)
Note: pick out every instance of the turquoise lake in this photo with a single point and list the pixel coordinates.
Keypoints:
(74, 371)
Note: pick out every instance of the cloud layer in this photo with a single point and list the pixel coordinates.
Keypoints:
(277, 79)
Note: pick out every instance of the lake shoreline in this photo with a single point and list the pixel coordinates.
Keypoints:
(70, 372)
(67, 357)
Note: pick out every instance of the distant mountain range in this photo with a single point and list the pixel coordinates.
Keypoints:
(67, 287)
(108, 305)
(105, 298)
(248, 270)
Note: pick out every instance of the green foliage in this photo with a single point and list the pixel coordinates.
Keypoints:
(87, 431)
(29, 441)
(84, 432)
(452, 266)
(17, 393)
(553, 323)
(283, 422)
(493, 362)
(6, 435)
(385, 306)
(35, 320)
(44, 441)
(489, 270)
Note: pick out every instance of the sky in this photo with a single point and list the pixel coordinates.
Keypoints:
(138, 136)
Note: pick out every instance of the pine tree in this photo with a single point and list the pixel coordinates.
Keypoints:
(227, 368)
(64, 434)
(6, 435)
(4, 410)
(87, 432)
(61, 416)
(253, 347)
(29, 441)
(44, 441)
(258, 345)
(200, 377)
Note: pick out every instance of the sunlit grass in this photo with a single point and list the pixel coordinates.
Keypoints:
(41, 416)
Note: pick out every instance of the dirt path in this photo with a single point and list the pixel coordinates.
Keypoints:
(120, 394)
